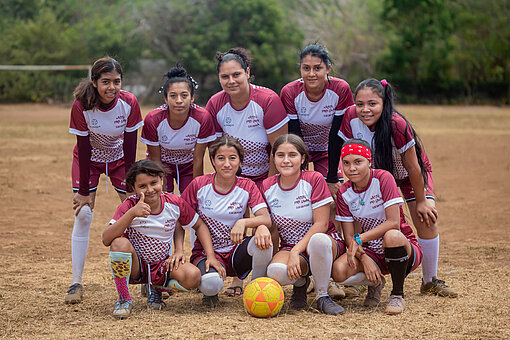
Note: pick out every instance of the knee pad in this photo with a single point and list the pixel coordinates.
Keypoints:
(211, 284)
(319, 243)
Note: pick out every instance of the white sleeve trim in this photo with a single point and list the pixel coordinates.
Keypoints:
(219, 134)
(277, 126)
(396, 200)
(192, 223)
(205, 140)
(341, 112)
(78, 132)
(344, 218)
(134, 128)
(258, 207)
(407, 146)
(322, 202)
(148, 142)
(292, 116)
(341, 135)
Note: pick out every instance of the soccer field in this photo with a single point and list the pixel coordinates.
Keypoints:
(469, 149)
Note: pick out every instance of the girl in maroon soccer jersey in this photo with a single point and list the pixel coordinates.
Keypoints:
(140, 237)
(252, 114)
(387, 243)
(105, 120)
(398, 150)
(314, 104)
(299, 202)
(178, 132)
(221, 199)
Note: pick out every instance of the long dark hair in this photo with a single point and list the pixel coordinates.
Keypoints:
(381, 144)
(85, 92)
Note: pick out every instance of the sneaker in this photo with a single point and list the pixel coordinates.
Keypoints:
(298, 298)
(326, 305)
(210, 301)
(396, 305)
(374, 294)
(437, 287)
(75, 293)
(122, 309)
(335, 290)
(154, 300)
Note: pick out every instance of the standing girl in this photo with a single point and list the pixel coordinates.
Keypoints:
(398, 150)
(314, 103)
(387, 243)
(140, 238)
(105, 120)
(299, 202)
(221, 199)
(178, 132)
(252, 114)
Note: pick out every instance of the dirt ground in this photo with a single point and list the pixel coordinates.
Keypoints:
(469, 148)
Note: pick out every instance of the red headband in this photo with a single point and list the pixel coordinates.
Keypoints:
(357, 149)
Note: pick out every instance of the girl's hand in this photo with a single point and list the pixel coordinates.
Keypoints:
(172, 263)
(333, 189)
(293, 266)
(79, 201)
(263, 237)
(427, 212)
(371, 270)
(237, 232)
(141, 209)
(216, 265)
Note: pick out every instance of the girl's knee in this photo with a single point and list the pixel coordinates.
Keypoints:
(394, 238)
(121, 244)
(319, 241)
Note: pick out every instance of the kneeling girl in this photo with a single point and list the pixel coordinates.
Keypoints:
(387, 243)
(221, 199)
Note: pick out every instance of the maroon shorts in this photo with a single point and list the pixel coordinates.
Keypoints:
(320, 161)
(258, 180)
(154, 272)
(226, 260)
(408, 192)
(182, 173)
(379, 259)
(114, 170)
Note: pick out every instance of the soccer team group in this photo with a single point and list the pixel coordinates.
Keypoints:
(303, 223)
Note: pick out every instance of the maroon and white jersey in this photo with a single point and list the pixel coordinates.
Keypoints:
(177, 145)
(221, 211)
(381, 192)
(106, 127)
(316, 117)
(292, 209)
(263, 115)
(152, 236)
(403, 139)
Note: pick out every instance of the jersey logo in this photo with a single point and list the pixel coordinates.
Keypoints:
(303, 110)
(275, 203)
(228, 121)
(207, 203)
(354, 206)
(94, 123)
(359, 135)
(164, 138)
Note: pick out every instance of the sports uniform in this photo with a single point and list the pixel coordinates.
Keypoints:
(105, 126)
(177, 145)
(368, 208)
(315, 118)
(403, 140)
(220, 212)
(263, 114)
(152, 236)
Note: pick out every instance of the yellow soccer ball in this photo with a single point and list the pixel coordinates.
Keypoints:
(263, 297)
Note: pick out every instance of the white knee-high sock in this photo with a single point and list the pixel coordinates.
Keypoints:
(430, 248)
(278, 271)
(357, 279)
(211, 284)
(321, 259)
(80, 241)
(259, 259)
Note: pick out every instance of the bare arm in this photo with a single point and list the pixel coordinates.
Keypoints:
(198, 159)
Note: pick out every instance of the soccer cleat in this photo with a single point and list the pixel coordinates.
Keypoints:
(326, 305)
(374, 294)
(437, 287)
(298, 298)
(396, 305)
(211, 301)
(154, 300)
(74, 294)
(122, 309)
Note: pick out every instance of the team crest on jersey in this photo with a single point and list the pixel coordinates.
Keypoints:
(302, 111)
(354, 206)
(94, 123)
(228, 121)
(359, 135)
(275, 203)
(164, 138)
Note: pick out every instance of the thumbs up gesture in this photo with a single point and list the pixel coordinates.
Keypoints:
(141, 209)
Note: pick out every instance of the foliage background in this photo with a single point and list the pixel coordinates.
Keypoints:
(433, 51)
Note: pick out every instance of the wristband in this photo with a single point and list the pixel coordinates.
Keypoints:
(357, 239)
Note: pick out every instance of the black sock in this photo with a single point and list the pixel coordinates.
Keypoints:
(396, 261)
